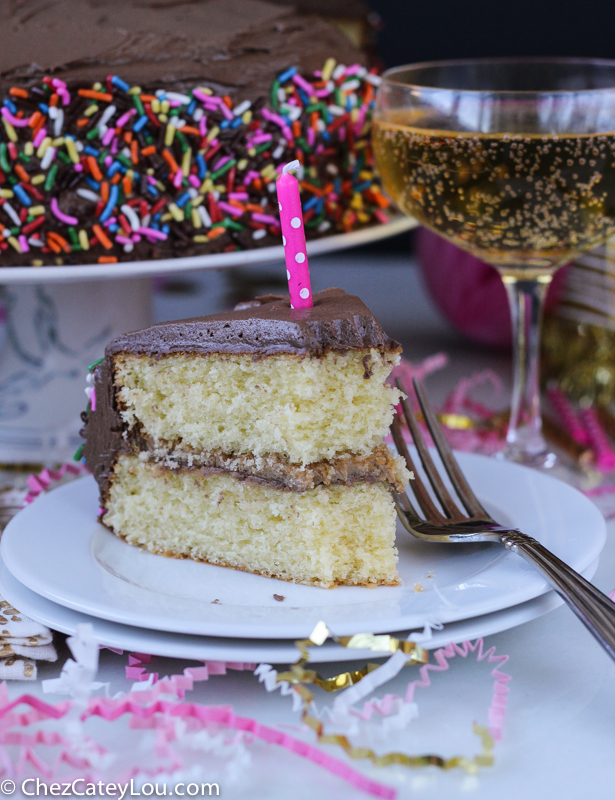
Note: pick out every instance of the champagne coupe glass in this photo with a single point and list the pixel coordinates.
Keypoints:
(514, 161)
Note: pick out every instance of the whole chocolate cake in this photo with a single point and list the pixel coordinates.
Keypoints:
(145, 130)
(253, 439)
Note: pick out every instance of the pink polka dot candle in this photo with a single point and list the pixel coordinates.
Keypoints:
(293, 238)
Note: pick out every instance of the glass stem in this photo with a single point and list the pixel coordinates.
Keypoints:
(525, 442)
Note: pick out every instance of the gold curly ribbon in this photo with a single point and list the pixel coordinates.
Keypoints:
(299, 677)
(457, 422)
(361, 641)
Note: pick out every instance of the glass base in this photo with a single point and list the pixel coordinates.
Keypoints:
(545, 459)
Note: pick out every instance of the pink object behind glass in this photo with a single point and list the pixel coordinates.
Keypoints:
(469, 292)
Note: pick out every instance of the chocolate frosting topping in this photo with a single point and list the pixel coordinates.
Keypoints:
(236, 44)
(338, 321)
(266, 326)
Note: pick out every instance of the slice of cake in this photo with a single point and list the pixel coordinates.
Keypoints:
(254, 439)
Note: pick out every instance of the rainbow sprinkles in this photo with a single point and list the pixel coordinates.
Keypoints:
(112, 172)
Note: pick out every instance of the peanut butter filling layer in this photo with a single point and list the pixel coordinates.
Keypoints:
(379, 466)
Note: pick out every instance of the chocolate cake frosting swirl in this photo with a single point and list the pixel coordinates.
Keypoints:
(267, 326)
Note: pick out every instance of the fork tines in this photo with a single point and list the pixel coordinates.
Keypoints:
(450, 510)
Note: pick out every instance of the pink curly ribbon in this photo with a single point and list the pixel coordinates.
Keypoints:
(483, 440)
(156, 715)
(406, 372)
(480, 439)
(605, 457)
(600, 491)
(177, 684)
(458, 399)
(565, 411)
(497, 708)
(41, 482)
(478, 409)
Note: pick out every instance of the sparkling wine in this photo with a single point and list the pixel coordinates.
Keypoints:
(528, 201)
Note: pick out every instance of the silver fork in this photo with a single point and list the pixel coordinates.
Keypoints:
(450, 524)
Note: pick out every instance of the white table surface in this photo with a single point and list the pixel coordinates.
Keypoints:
(560, 724)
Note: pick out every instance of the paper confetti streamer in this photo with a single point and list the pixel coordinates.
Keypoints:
(301, 678)
(157, 715)
(605, 457)
(41, 482)
(567, 414)
(148, 706)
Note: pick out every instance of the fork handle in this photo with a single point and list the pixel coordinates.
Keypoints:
(592, 607)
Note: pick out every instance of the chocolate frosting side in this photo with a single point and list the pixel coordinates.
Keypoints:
(266, 326)
(103, 430)
(240, 45)
(337, 321)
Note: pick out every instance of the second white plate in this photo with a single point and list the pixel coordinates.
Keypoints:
(256, 651)
(56, 548)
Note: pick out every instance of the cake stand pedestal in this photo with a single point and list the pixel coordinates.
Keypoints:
(57, 320)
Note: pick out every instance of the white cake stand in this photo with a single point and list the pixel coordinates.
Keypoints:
(57, 320)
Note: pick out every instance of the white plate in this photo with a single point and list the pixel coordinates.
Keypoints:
(257, 651)
(240, 258)
(56, 548)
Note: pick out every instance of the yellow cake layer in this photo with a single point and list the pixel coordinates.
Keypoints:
(306, 409)
(325, 536)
